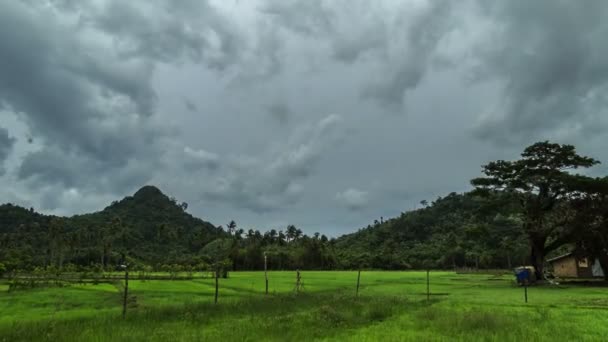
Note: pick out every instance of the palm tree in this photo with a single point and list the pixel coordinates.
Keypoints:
(291, 232)
(272, 235)
(231, 227)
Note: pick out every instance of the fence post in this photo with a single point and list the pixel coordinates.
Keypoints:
(126, 293)
(217, 273)
(428, 285)
(358, 282)
(266, 270)
(298, 281)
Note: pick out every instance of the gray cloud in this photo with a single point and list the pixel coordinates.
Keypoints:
(52, 166)
(196, 159)
(66, 96)
(6, 144)
(168, 30)
(353, 198)
(90, 100)
(403, 40)
(280, 112)
(190, 106)
(224, 104)
(551, 66)
(405, 70)
(272, 183)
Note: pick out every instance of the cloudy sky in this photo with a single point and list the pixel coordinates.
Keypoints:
(323, 114)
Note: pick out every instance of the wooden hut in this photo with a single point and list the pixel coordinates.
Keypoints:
(572, 266)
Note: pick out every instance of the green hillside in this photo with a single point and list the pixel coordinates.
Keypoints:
(459, 230)
(148, 228)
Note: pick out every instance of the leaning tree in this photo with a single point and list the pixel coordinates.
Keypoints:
(542, 182)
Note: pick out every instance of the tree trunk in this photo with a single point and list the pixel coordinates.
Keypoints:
(537, 256)
(509, 260)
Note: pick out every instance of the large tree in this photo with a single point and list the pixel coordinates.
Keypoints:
(542, 181)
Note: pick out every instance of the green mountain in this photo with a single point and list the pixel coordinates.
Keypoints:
(459, 230)
(148, 228)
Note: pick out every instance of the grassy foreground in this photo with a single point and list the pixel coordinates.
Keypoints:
(392, 306)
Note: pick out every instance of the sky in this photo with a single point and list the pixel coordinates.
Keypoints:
(322, 114)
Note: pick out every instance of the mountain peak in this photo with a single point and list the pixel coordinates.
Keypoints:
(148, 191)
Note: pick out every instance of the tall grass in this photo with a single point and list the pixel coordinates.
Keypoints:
(281, 317)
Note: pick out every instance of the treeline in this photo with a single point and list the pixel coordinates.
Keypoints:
(289, 249)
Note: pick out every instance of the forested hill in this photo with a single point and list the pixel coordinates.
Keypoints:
(459, 230)
(148, 227)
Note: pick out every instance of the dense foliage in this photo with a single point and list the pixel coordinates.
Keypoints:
(459, 230)
(147, 228)
(150, 229)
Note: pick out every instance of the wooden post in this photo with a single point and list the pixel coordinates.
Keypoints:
(217, 274)
(298, 279)
(428, 285)
(126, 294)
(526, 290)
(266, 270)
(358, 282)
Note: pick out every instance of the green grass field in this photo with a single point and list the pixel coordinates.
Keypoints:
(392, 306)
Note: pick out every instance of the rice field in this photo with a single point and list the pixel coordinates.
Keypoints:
(391, 306)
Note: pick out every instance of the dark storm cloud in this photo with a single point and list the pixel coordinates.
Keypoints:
(52, 166)
(67, 96)
(425, 30)
(404, 47)
(550, 58)
(169, 30)
(6, 144)
(88, 99)
(225, 104)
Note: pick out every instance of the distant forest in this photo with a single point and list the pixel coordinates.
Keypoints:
(518, 212)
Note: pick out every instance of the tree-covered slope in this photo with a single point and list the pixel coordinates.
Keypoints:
(148, 227)
(459, 230)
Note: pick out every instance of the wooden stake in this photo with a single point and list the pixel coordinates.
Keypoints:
(298, 279)
(126, 294)
(266, 270)
(217, 274)
(358, 282)
(428, 285)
